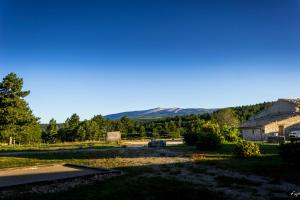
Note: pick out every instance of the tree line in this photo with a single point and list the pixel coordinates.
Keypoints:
(19, 125)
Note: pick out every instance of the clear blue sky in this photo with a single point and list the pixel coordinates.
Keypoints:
(100, 57)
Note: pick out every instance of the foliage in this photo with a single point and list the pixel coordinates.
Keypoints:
(245, 112)
(230, 134)
(246, 149)
(155, 133)
(50, 134)
(70, 128)
(209, 135)
(205, 137)
(190, 138)
(226, 117)
(17, 121)
(208, 141)
(290, 152)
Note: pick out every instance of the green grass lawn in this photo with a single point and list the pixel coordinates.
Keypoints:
(57, 146)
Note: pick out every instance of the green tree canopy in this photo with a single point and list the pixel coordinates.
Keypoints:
(70, 127)
(50, 134)
(17, 121)
(226, 117)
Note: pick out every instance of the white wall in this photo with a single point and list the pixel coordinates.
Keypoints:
(253, 134)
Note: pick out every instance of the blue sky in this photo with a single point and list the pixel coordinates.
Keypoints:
(105, 56)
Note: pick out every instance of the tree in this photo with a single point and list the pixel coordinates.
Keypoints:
(142, 131)
(50, 134)
(155, 133)
(70, 127)
(91, 130)
(17, 122)
(125, 125)
(81, 133)
(226, 117)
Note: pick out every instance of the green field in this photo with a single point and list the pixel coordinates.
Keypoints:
(56, 146)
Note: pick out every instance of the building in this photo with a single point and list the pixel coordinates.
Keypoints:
(279, 119)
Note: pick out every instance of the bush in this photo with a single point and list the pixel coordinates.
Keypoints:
(290, 152)
(230, 134)
(190, 138)
(245, 149)
(209, 141)
(206, 137)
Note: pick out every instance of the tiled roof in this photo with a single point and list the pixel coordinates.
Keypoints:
(294, 101)
(267, 119)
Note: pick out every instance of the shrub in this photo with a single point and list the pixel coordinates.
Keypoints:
(190, 138)
(245, 149)
(209, 141)
(290, 152)
(230, 134)
(210, 127)
(207, 137)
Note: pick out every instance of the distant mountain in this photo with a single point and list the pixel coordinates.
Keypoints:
(160, 113)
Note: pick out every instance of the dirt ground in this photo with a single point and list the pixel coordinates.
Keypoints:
(174, 164)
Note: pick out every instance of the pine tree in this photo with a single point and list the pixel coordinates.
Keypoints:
(17, 122)
(70, 127)
(50, 134)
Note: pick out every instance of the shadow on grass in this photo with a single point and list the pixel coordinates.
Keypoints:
(270, 164)
(53, 148)
(86, 154)
(142, 182)
(129, 186)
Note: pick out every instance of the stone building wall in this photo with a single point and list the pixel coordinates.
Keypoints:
(289, 124)
(258, 134)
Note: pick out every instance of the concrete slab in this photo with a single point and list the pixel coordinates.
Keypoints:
(26, 175)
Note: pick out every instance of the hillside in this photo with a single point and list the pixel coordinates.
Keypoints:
(160, 113)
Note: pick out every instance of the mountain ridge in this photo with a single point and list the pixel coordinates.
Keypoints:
(160, 113)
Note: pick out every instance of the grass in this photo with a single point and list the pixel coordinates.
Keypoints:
(129, 187)
(133, 185)
(57, 146)
(270, 164)
(108, 158)
(138, 162)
